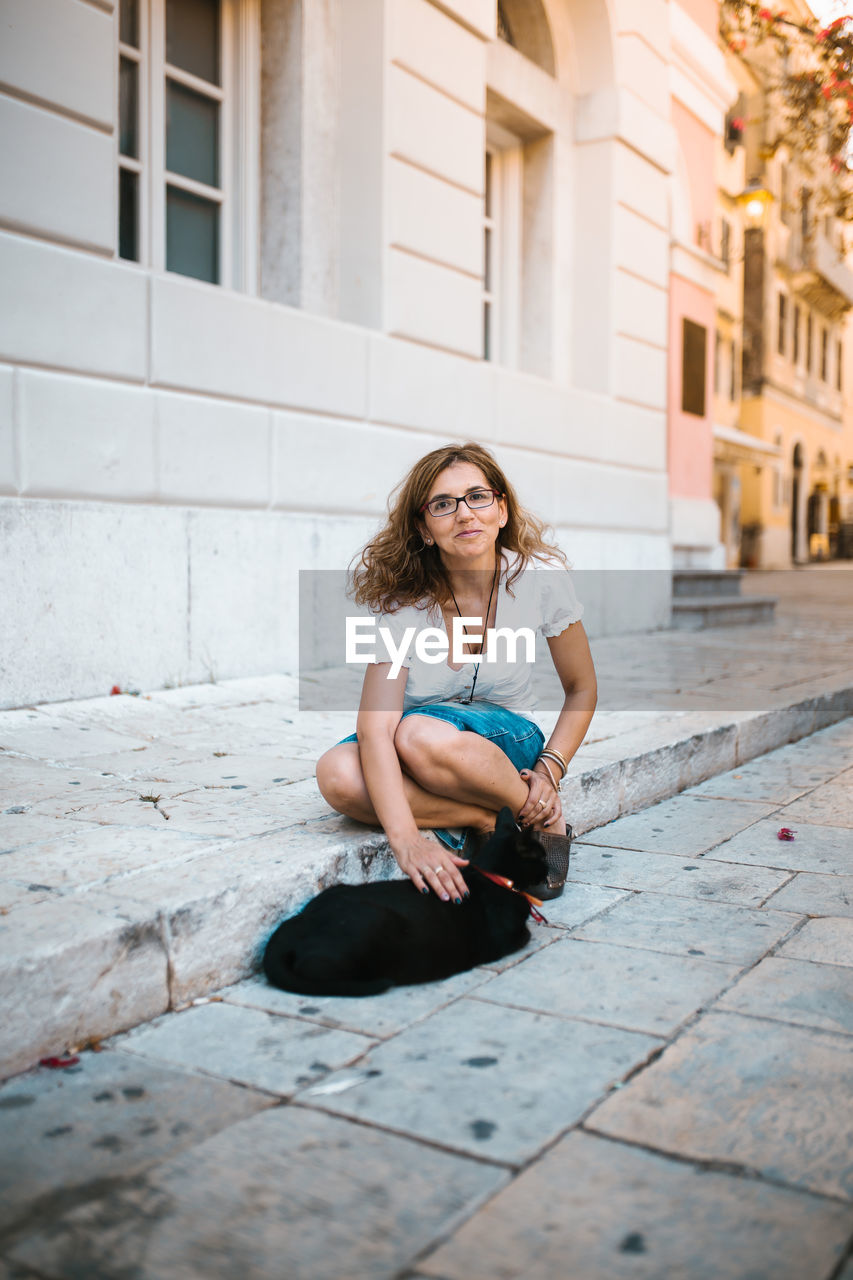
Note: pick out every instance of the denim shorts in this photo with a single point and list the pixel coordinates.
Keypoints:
(520, 740)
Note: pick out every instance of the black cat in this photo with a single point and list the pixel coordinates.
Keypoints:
(359, 940)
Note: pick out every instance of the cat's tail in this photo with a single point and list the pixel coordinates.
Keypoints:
(306, 975)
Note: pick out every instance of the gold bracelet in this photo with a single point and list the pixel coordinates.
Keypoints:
(557, 758)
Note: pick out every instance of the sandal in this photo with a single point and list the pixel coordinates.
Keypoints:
(557, 852)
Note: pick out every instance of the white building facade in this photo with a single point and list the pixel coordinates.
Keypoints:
(258, 256)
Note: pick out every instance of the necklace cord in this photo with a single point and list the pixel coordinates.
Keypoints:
(470, 697)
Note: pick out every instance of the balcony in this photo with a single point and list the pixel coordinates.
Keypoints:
(820, 276)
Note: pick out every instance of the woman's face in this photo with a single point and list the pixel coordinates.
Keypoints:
(466, 534)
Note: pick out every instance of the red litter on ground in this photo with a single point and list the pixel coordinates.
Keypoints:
(785, 833)
(56, 1064)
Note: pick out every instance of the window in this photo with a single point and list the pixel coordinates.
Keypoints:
(504, 29)
(805, 214)
(733, 372)
(725, 241)
(839, 355)
(795, 354)
(489, 253)
(693, 351)
(824, 354)
(778, 478)
(183, 187)
(718, 358)
(809, 338)
(502, 247)
(782, 324)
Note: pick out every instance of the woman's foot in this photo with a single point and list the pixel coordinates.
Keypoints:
(557, 852)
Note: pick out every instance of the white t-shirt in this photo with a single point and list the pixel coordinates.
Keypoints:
(542, 599)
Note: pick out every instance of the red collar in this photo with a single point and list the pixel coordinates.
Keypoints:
(508, 884)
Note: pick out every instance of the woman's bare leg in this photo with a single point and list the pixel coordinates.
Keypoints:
(453, 778)
(462, 765)
(342, 785)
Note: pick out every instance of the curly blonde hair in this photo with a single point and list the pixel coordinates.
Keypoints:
(395, 568)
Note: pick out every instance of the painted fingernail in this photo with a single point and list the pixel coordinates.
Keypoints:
(445, 897)
(424, 889)
(458, 901)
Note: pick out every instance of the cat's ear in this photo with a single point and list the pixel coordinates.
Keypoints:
(506, 824)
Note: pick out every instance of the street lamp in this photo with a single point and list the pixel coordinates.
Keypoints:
(754, 200)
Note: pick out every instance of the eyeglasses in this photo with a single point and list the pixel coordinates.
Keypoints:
(475, 500)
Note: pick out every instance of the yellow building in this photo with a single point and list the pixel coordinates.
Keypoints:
(783, 412)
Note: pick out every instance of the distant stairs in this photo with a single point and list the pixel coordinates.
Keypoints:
(711, 598)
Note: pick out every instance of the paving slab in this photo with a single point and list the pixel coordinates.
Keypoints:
(122, 713)
(686, 927)
(14, 896)
(249, 1046)
(579, 903)
(497, 1083)
(814, 848)
(684, 825)
(26, 828)
(44, 735)
(768, 1096)
(620, 868)
(795, 991)
(25, 782)
(816, 895)
(616, 986)
(826, 941)
(781, 776)
(110, 1116)
(266, 773)
(828, 805)
(599, 1210)
(84, 856)
(194, 812)
(376, 1016)
(714, 881)
(71, 972)
(289, 1193)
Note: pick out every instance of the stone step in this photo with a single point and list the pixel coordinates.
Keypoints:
(695, 613)
(706, 582)
(102, 959)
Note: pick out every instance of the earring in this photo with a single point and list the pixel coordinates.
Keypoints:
(427, 542)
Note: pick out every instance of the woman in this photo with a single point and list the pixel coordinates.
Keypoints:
(446, 745)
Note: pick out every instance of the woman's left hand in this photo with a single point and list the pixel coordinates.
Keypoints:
(542, 806)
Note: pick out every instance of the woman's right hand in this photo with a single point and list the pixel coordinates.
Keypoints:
(431, 865)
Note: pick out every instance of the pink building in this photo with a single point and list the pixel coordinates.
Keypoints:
(700, 93)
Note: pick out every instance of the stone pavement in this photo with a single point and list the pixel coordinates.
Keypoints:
(149, 844)
(658, 1087)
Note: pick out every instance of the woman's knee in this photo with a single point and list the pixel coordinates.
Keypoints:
(340, 779)
(422, 744)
